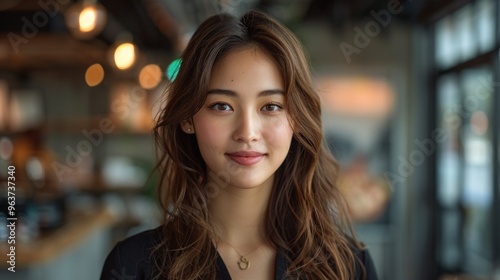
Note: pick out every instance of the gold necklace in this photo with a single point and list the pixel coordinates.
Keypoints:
(243, 263)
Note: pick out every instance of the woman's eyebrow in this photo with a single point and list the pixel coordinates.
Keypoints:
(228, 92)
(271, 92)
(222, 92)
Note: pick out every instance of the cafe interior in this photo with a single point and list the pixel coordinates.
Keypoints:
(408, 89)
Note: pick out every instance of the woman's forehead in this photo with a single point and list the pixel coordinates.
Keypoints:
(248, 68)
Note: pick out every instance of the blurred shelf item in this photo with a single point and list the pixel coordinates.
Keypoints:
(100, 186)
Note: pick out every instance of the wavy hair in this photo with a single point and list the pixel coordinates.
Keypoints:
(307, 216)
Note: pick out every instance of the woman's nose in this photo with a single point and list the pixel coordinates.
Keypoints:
(247, 127)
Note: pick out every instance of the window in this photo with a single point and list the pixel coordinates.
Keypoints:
(467, 200)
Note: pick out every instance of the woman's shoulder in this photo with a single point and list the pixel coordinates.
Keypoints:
(141, 241)
(131, 257)
(365, 263)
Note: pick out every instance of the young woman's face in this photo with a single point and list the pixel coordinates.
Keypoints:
(242, 130)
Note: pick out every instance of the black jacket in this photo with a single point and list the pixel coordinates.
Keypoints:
(130, 260)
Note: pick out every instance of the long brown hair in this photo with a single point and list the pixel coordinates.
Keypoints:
(307, 216)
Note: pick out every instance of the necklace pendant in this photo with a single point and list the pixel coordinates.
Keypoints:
(243, 263)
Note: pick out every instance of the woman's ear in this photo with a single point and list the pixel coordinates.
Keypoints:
(187, 126)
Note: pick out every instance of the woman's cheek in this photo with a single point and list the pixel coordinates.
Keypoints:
(210, 132)
(279, 131)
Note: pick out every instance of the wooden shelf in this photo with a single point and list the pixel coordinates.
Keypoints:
(77, 125)
(49, 246)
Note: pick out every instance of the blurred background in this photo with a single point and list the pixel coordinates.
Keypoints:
(409, 90)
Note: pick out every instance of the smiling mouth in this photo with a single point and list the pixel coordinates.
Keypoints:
(246, 158)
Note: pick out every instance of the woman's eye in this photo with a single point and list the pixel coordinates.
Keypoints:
(272, 107)
(220, 107)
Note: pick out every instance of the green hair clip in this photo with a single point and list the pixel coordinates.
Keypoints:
(173, 69)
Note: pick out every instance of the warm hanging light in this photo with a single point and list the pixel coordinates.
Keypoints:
(85, 19)
(124, 55)
(94, 75)
(150, 76)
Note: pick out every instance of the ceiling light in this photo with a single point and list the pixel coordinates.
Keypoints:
(150, 76)
(94, 75)
(124, 55)
(85, 19)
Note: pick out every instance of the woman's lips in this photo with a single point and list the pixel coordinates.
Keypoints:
(246, 157)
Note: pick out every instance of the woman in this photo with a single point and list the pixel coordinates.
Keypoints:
(247, 187)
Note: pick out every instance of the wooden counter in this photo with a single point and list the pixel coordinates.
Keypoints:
(49, 246)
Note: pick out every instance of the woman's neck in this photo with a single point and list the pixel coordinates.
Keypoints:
(239, 215)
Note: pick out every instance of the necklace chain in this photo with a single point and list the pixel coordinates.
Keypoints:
(243, 263)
